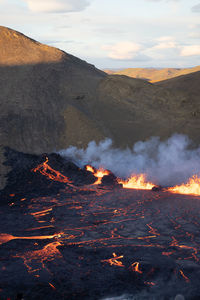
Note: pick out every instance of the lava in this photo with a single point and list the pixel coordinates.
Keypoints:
(135, 267)
(137, 182)
(114, 261)
(5, 237)
(192, 187)
(41, 257)
(99, 174)
(154, 231)
(51, 285)
(184, 276)
(50, 173)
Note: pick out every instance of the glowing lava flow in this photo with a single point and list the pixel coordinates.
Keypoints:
(137, 182)
(192, 187)
(52, 174)
(4, 237)
(114, 261)
(37, 260)
(99, 174)
(135, 267)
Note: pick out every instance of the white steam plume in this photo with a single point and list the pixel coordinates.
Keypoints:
(165, 163)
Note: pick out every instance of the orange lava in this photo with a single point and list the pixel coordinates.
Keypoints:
(136, 182)
(135, 267)
(51, 285)
(184, 276)
(36, 260)
(192, 187)
(52, 174)
(5, 237)
(99, 174)
(114, 261)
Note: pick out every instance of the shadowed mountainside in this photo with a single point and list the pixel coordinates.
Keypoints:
(152, 74)
(51, 100)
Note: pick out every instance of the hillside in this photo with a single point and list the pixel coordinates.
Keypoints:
(50, 100)
(189, 88)
(152, 74)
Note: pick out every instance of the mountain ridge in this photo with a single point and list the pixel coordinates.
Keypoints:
(153, 74)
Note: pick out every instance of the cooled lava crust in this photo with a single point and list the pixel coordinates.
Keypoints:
(63, 237)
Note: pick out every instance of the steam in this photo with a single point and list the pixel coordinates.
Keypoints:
(165, 163)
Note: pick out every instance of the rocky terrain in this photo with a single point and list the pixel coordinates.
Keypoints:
(50, 100)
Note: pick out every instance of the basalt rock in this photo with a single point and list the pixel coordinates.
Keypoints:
(40, 175)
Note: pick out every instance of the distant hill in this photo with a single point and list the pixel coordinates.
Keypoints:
(50, 100)
(152, 74)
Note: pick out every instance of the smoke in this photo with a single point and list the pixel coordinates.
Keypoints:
(165, 163)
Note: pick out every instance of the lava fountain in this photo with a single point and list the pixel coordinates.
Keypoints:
(192, 187)
(137, 182)
(99, 174)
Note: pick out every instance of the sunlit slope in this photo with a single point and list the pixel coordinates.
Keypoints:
(152, 74)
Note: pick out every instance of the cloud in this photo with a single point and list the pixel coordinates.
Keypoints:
(122, 50)
(194, 35)
(164, 48)
(57, 6)
(190, 50)
(165, 42)
(196, 8)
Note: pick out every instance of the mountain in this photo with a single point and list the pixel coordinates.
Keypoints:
(50, 100)
(188, 88)
(39, 87)
(152, 74)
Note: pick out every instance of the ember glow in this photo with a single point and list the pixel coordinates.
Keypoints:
(137, 182)
(192, 187)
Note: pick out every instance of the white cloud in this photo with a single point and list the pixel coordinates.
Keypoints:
(165, 42)
(194, 35)
(196, 8)
(122, 50)
(56, 6)
(190, 50)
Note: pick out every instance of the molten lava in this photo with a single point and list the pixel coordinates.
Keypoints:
(114, 261)
(50, 173)
(137, 182)
(99, 174)
(135, 267)
(192, 187)
(4, 237)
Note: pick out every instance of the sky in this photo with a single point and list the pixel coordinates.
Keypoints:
(112, 34)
